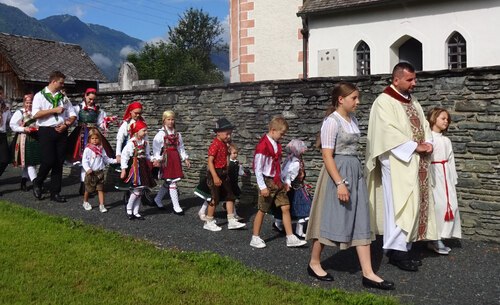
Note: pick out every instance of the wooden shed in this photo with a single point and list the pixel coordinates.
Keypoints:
(25, 65)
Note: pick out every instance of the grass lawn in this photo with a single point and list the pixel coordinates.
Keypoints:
(56, 260)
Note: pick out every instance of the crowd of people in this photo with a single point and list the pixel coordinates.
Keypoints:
(405, 192)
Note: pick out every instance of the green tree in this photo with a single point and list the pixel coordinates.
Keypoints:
(185, 59)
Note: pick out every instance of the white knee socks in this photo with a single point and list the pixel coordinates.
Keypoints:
(134, 202)
(203, 209)
(31, 172)
(175, 197)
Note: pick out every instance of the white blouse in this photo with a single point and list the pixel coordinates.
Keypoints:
(330, 128)
(128, 151)
(158, 143)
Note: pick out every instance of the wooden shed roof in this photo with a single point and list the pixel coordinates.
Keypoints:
(33, 59)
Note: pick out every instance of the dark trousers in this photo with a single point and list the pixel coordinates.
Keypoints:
(53, 151)
(4, 152)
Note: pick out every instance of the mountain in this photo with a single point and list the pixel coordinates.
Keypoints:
(14, 21)
(104, 45)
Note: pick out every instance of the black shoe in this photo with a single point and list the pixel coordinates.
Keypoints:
(327, 277)
(416, 261)
(82, 188)
(139, 217)
(404, 264)
(179, 213)
(37, 190)
(130, 216)
(384, 285)
(57, 198)
(24, 188)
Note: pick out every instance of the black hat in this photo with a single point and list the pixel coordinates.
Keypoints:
(223, 124)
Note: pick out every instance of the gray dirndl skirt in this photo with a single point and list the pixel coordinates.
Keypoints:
(336, 223)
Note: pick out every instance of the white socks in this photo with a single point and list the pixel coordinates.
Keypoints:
(134, 202)
(204, 207)
(175, 197)
(29, 172)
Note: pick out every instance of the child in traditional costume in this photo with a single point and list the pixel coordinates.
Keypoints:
(132, 114)
(272, 192)
(89, 116)
(94, 161)
(136, 167)
(218, 179)
(234, 171)
(445, 178)
(168, 152)
(293, 173)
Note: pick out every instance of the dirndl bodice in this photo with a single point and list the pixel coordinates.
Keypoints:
(346, 143)
(88, 116)
(171, 167)
(139, 168)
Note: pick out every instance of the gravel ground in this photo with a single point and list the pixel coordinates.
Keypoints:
(470, 274)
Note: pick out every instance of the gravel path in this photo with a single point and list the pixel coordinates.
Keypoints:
(469, 275)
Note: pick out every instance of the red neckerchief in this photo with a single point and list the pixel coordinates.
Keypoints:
(266, 148)
(396, 95)
(95, 148)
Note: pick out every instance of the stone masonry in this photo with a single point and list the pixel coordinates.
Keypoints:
(471, 95)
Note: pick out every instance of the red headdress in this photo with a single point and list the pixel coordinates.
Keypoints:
(134, 128)
(131, 106)
(90, 90)
(87, 92)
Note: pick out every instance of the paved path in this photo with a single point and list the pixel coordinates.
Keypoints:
(469, 275)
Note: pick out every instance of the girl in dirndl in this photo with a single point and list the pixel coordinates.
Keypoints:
(26, 148)
(136, 167)
(168, 152)
(132, 114)
(340, 213)
(293, 173)
(89, 116)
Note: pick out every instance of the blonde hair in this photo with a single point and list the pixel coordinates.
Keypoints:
(233, 147)
(168, 114)
(278, 123)
(93, 132)
(433, 114)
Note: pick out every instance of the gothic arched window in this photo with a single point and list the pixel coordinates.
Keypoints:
(363, 59)
(457, 51)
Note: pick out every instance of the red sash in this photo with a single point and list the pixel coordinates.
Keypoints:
(266, 148)
(448, 216)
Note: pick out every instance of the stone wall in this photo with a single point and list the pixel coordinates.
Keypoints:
(471, 95)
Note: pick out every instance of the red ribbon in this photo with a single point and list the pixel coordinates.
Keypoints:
(448, 216)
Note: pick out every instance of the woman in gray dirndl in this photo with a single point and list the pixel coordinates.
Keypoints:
(339, 214)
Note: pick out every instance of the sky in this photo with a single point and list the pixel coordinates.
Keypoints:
(147, 20)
